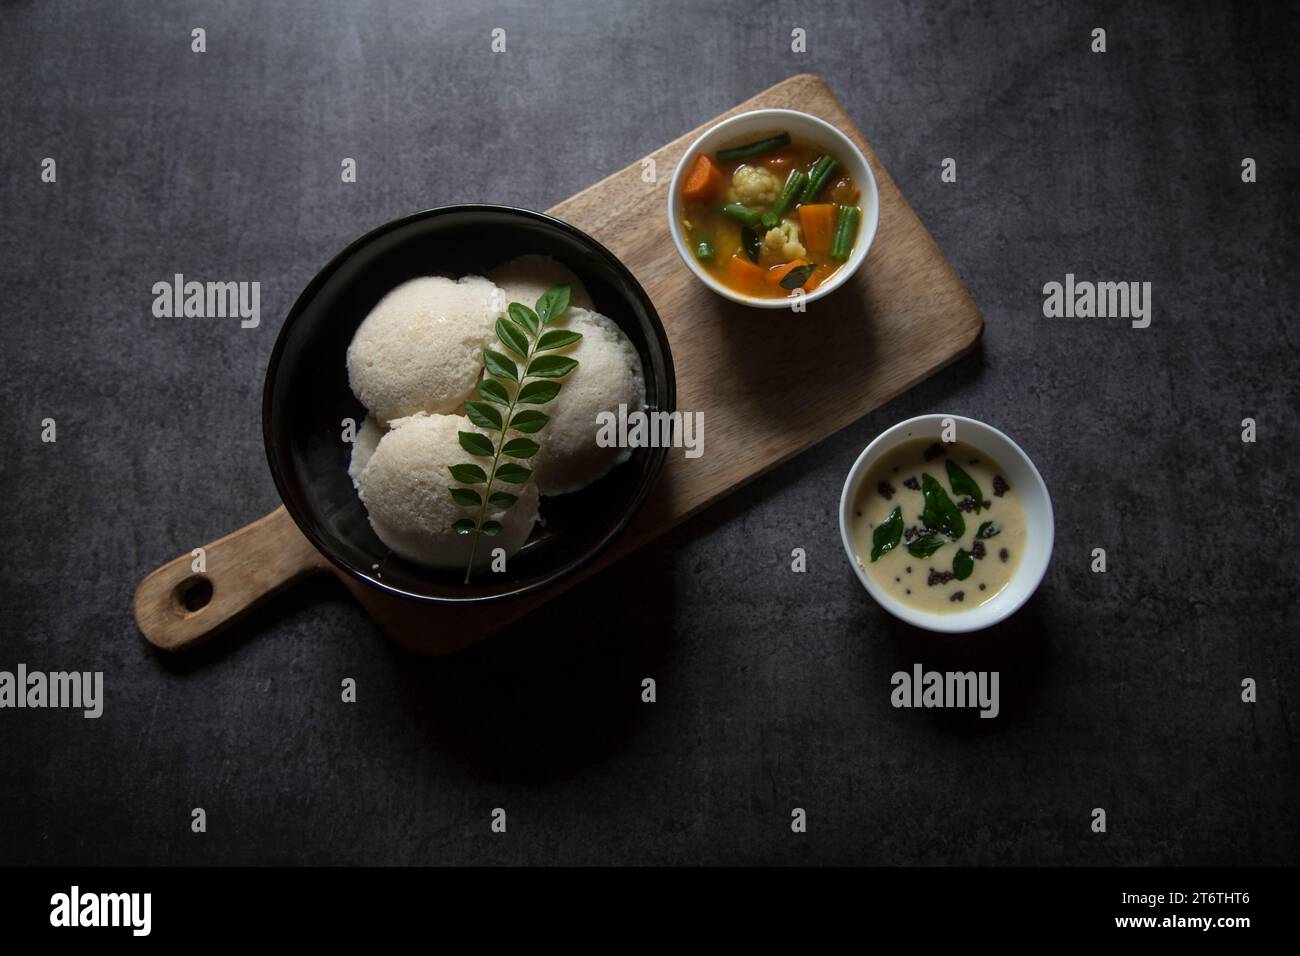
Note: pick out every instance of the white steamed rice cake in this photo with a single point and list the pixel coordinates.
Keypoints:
(363, 447)
(420, 348)
(525, 279)
(406, 490)
(608, 375)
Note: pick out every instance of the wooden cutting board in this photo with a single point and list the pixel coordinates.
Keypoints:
(770, 384)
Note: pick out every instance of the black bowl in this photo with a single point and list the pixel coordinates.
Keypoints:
(307, 397)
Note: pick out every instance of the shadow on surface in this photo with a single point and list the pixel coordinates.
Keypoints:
(1017, 649)
(557, 691)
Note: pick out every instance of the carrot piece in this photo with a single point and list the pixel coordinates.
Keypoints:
(703, 179)
(819, 275)
(777, 273)
(744, 276)
(817, 220)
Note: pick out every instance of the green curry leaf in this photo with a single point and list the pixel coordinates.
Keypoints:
(887, 535)
(962, 564)
(922, 546)
(523, 336)
(940, 514)
(963, 485)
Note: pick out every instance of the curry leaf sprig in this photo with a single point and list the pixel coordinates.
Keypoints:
(506, 385)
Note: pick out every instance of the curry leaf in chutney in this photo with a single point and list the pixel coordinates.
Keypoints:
(886, 537)
(940, 514)
(925, 545)
(962, 564)
(963, 485)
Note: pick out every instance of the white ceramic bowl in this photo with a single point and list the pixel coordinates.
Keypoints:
(751, 126)
(1022, 475)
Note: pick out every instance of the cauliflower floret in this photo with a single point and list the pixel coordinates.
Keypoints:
(783, 241)
(755, 186)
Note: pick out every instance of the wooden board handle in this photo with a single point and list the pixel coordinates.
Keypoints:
(177, 607)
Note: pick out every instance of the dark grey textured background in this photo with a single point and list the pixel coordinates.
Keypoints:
(1119, 690)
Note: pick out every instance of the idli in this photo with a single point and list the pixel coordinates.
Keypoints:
(406, 491)
(608, 375)
(363, 446)
(524, 280)
(420, 348)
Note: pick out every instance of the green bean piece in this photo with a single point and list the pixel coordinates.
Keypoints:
(824, 169)
(814, 175)
(846, 231)
(704, 251)
(735, 210)
(751, 150)
(769, 220)
(839, 231)
(793, 187)
(841, 224)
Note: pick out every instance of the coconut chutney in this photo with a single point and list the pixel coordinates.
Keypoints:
(937, 526)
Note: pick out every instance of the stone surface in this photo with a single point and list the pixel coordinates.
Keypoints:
(1119, 691)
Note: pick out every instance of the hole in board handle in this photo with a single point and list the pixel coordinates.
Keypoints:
(193, 594)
